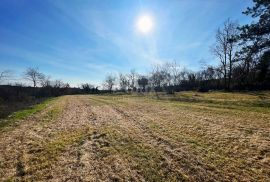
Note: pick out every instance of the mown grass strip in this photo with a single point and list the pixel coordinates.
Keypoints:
(143, 158)
(45, 156)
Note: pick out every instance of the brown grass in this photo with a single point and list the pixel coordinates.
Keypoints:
(187, 137)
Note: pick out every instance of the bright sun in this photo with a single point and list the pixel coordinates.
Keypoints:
(145, 24)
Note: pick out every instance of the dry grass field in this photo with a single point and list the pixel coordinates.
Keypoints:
(190, 136)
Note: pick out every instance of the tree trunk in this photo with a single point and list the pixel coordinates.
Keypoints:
(225, 71)
(35, 84)
(230, 70)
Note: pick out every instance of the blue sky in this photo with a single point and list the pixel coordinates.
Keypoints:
(83, 40)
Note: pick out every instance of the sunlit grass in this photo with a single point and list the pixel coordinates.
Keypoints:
(139, 137)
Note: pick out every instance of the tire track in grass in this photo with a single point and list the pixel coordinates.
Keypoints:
(14, 140)
(184, 165)
(100, 139)
(26, 140)
(191, 159)
(146, 142)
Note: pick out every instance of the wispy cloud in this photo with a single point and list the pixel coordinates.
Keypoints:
(94, 21)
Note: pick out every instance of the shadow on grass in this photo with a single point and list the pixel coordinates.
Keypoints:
(12, 111)
(9, 107)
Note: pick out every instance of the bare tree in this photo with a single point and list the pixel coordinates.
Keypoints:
(66, 85)
(224, 48)
(132, 78)
(209, 73)
(123, 81)
(142, 82)
(33, 75)
(4, 75)
(191, 77)
(156, 76)
(87, 87)
(232, 32)
(58, 84)
(183, 74)
(174, 70)
(45, 81)
(160, 76)
(166, 73)
(109, 82)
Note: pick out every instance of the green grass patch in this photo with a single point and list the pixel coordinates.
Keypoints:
(62, 140)
(48, 154)
(20, 115)
(142, 157)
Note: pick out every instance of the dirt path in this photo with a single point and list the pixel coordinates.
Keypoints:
(101, 139)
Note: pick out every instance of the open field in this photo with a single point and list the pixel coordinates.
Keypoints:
(187, 137)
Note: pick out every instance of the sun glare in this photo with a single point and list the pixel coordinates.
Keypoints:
(145, 24)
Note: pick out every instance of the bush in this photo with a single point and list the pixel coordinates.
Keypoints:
(203, 89)
(169, 89)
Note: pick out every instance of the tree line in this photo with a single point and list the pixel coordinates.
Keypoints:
(41, 86)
